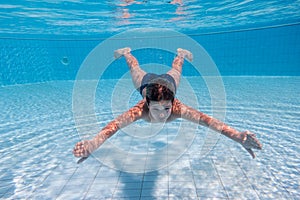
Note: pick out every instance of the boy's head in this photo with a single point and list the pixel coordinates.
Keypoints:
(160, 94)
(160, 89)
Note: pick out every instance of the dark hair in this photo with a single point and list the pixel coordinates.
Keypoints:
(160, 89)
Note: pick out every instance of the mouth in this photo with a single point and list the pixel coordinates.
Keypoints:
(159, 119)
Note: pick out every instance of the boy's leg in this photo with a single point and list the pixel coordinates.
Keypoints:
(136, 72)
(176, 70)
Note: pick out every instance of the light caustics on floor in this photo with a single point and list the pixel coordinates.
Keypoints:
(38, 134)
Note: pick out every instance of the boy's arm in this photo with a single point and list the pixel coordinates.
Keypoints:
(85, 148)
(247, 139)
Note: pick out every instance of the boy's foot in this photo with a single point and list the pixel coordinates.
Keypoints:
(121, 52)
(185, 54)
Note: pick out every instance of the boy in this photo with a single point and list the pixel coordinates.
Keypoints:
(159, 105)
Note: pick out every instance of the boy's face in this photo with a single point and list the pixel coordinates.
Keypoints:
(160, 110)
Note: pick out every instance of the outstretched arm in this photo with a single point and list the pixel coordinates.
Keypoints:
(247, 139)
(85, 148)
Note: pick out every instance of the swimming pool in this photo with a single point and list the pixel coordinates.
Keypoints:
(258, 65)
(38, 135)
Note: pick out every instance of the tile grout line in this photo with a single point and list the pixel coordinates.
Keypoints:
(120, 173)
(167, 130)
(190, 163)
(281, 184)
(245, 174)
(25, 176)
(84, 197)
(116, 186)
(193, 175)
(142, 185)
(27, 142)
(60, 192)
(45, 176)
(291, 195)
(214, 165)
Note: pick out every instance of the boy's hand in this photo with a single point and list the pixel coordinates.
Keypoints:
(250, 142)
(83, 149)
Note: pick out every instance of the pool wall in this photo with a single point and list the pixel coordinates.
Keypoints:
(267, 51)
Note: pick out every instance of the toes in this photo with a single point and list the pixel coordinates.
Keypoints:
(190, 57)
(179, 50)
(120, 52)
(185, 54)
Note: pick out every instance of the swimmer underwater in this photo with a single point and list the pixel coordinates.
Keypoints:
(159, 105)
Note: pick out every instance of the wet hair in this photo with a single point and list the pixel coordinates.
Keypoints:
(160, 89)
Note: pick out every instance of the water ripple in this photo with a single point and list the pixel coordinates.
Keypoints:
(71, 17)
(38, 133)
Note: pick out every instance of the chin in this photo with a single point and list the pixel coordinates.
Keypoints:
(163, 120)
(159, 120)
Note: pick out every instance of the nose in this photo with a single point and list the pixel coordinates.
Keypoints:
(161, 115)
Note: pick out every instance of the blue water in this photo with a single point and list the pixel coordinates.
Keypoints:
(38, 134)
(93, 18)
(255, 47)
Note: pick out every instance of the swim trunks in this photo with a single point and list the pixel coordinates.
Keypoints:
(150, 76)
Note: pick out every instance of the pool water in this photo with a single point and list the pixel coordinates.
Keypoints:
(44, 47)
(38, 133)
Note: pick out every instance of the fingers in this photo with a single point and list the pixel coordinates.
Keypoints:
(80, 150)
(250, 141)
(251, 153)
(254, 142)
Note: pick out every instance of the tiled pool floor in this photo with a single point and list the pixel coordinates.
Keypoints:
(38, 134)
(213, 177)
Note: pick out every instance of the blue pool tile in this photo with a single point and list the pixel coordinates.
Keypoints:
(130, 193)
(212, 193)
(52, 186)
(101, 191)
(41, 166)
(182, 175)
(105, 180)
(184, 189)
(129, 185)
(155, 185)
(155, 193)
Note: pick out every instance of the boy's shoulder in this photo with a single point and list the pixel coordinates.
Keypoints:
(176, 107)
